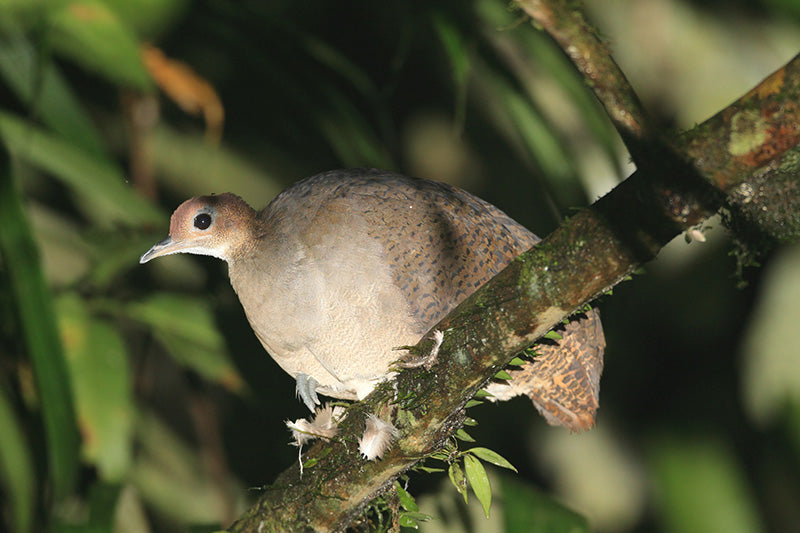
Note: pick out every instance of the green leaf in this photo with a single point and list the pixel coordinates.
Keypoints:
(430, 469)
(15, 10)
(531, 128)
(526, 509)
(118, 253)
(473, 403)
(491, 456)
(103, 499)
(186, 327)
(463, 435)
(16, 469)
(458, 53)
(407, 521)
(350, 134)
(549, 58)
(456, 475)
(65, 254)
(553, 335)
(455, 47)
(148, 17)
(37, 320)
(188, 165)
(406, 500)
(91, 34)
(411, 519)
(171, 479)
(101, 381)
(42, 88)
(479, 482)
(502, 375)
(338, 63)
(101, 184)
(517, 361)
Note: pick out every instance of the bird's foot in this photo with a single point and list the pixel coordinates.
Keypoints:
(306, 390)
(426, 360)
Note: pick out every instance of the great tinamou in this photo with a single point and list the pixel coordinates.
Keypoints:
(344, 267)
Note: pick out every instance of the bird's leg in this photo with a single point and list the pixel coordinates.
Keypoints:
(306, 390)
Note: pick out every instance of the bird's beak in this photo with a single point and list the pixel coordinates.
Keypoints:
(165, 247)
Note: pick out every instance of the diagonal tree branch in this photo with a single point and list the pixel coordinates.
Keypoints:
(744, 156)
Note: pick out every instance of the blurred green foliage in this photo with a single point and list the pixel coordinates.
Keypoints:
(137, 399)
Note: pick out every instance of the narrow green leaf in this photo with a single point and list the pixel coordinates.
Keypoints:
(463, 435)
(60, 237)
(36, 318)
(406, 500)
(91, 34)
(458, 53)
(473, 403)
(530, 128)
(101, 184)
(102, 500)
(350, 134)
(149, 17)
(113, 256)
(44, 90)
(430, 469)
(338, 63)
(187, 165)
(454, 45)
(102, 383)
(554, 65)
(186, 327)
(16, 469)
(517, 361)
(187, 317)
(170, 477)
(411, 519)
(479, 482)
(491, 456)
(502, 375)
(456, 475)
(553, 335)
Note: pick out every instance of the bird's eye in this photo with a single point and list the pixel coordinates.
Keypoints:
(202, 221)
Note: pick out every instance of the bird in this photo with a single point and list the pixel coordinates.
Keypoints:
(342, 268)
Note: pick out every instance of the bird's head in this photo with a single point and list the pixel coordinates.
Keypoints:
(219, 225)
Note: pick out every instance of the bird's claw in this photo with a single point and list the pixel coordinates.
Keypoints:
(429, 359)
(306, 390)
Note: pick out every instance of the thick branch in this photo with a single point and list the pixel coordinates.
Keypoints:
(588, 254)
(749, 150)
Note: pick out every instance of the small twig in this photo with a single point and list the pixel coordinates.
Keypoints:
(578, 39)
